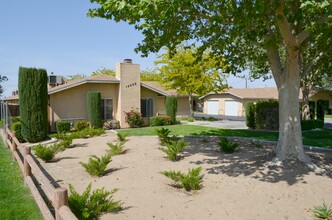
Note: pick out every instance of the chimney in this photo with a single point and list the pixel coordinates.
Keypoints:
(127, 61)
(130, 89)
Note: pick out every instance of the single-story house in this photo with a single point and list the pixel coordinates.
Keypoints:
(232, 102)
(122, 93)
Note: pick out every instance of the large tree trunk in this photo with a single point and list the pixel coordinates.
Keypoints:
(290, 136)
(191, 105)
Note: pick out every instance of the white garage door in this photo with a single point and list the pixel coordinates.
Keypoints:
(231, 108)
(213, 107)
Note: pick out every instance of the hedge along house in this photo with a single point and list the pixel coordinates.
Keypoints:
(233, 101)
(119, 94)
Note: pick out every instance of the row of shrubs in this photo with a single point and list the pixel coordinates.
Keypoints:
(265, 115)
(65, 126)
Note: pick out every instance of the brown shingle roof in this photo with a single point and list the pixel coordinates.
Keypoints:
(157, 87)
(253, 93)
(103, 78)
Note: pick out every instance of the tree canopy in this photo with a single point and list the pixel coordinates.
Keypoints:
(2, 79)
(183, 72)
(264, 35)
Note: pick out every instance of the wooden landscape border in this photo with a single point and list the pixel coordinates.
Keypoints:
(57, 197)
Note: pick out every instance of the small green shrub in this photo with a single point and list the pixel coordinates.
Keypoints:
(134, 119)
(191, 181)
(226, 146)
(16, 119)
(91, 205)
(323, 211)
(81, 125)
(311, 124)
(116, 149)
(17, 128)
(160, 120)
(62, 126)
(88, 132)
(250, 115)
(203, 119)
(46, 153)
(211, 119)
(191, 119)
(163, 135)
(2, 122)
(173, 148)
(96, 166)
(122, 137)
(184, 118)
(177, 121)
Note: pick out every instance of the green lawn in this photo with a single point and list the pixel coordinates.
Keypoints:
(328, 116)
(321, 138)
(16, 201)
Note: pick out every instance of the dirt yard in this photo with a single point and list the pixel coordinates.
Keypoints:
(235, 186)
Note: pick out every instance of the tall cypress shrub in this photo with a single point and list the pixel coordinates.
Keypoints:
(32, 87)
(322, 106)
(94, 109)
(250, 115)
(171, 107)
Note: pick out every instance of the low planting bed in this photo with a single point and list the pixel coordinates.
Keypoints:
(234, 186)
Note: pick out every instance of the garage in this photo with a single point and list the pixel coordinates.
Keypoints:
(231, 108)
(213, 107)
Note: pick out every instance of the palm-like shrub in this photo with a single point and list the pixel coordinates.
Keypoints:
(190, 181)
(116, 149)
(90, 205)
(226, 146)
(47, 153)
(122, 137)
(173, 148)
(96, 166)
(163, 134)
(323, 211)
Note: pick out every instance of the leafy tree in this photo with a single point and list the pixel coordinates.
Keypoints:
(150, 75)
(267, 35)
(316, 69)
(189, 76)
(32, 87)
(105, 71)
(2, 79)
(76, 76)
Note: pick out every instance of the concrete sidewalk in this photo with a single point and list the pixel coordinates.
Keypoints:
(219, 124)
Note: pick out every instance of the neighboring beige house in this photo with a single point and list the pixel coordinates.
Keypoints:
(68, 100)
(233, 101)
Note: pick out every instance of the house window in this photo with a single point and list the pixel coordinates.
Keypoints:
(147, 107)
(106, 109)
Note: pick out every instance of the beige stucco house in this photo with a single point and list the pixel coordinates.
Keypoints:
(122, 93)
(233, 101)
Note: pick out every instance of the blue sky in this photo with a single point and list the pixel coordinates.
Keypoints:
(59, 37)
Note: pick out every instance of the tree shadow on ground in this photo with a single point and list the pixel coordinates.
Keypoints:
(250, 161)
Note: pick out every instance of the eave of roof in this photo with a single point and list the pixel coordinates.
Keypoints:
(153, 89)
(64, 87)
